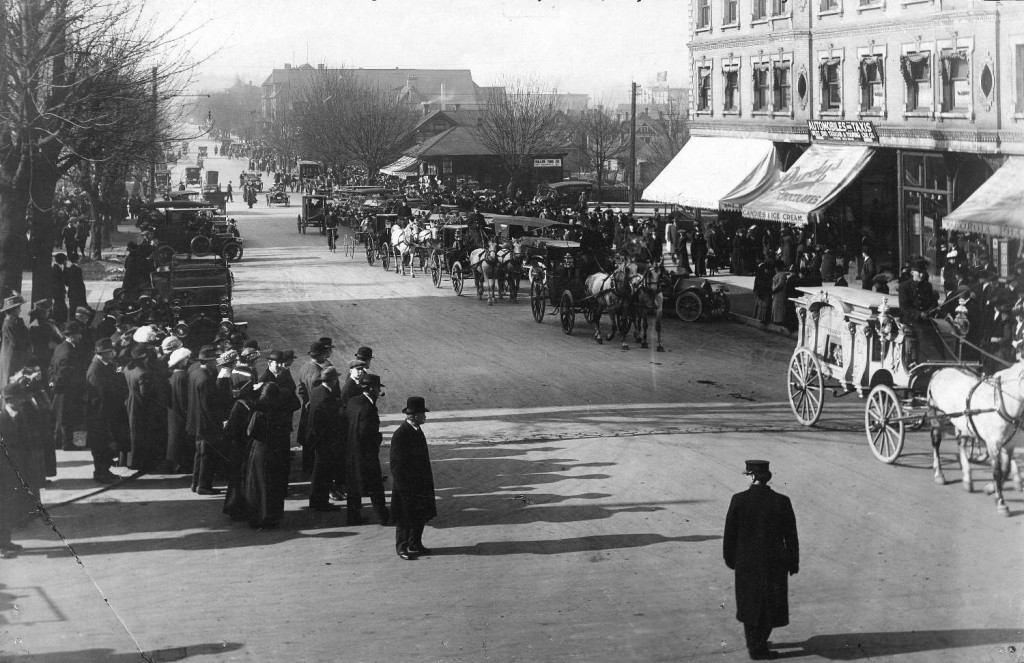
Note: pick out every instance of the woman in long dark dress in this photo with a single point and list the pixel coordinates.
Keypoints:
(264, 491)
(239, 448)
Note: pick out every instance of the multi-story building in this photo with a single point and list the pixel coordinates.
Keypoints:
(866, 118)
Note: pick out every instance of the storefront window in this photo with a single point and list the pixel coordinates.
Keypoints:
(761, 88)
(913, 170)
(935, 173)
(917, 74)
(781, 87)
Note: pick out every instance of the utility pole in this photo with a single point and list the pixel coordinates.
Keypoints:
(153, 157)
(632, 147)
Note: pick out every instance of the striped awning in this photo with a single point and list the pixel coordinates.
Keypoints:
(406, 165)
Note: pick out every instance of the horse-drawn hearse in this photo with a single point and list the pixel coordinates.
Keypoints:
(314, 212)
(853, 341)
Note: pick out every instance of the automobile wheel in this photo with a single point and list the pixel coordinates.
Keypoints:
(232, 252)
(689, 306)
(200, 245)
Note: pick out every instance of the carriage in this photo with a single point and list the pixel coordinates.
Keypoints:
(377, 239)
(314, 212)
(525, 229)
(557, 280)
(278, 195)
(851, 341)
(449, 256)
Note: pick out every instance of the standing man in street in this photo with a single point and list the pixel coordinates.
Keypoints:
(105, 415)
(760, 544)
(207, 413)
(67, 378)
(309, 374)
(362, 452)
(324, 437)
(412, 494)
(59, 283)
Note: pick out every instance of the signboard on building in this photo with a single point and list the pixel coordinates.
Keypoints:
(842, 131)
(547, 163)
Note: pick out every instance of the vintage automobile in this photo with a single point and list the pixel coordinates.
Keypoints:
(563, 193)
(194, 176)
(278, 195)
(255, 180)
(192, 299)
(196, 231)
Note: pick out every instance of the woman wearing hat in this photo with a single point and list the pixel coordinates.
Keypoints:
(43, 333)
(181, 447)
(412, 493)
(15, 342)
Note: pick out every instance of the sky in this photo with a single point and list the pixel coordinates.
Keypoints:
(594, 47)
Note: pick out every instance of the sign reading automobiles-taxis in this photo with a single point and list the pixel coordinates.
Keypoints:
(842, 131)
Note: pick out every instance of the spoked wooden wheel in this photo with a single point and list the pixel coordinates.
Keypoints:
(806, 386)
(567, 312)
(884, 425)
(588, 313)
(457, 278)
(370, 252)
(435, 270)
(385, 260)
(537, 304)
(689, 306)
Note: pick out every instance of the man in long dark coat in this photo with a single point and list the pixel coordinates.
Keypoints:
(412, 493)
(324, 436)
(58, 281)
(19, 479)
(350, 387)
(207, 411)
(76, 285)
(105, 417)
(67, 377)
(309, 374)
(760, 544)
(279, 413)
(362, 452)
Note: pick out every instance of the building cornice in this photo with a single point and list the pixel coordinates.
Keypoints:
(922, 23)
(754, 39)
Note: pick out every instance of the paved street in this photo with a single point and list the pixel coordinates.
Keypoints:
(582, 494)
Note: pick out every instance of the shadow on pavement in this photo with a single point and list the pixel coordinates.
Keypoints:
(574, 545)
(156, 656)
(865, 646)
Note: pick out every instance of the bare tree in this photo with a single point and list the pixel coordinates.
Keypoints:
(73, 75)
(523, 118)
(671, 131)
(599, 138)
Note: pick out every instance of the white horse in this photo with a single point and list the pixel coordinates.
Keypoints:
(510, 268)
(402, 247)
(484, 263)
(985, 409)
(611, 294)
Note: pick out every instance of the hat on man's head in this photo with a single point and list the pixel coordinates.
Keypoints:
(14, 390)
(170, 344)
(317, 348)
(275, 355)
(72, 327)
(756, 467)
(207, 353)
(327, 342)
(356, 363)
(60, 258)
(287, 355)
(13, 301)
(43, 305)
(178, 357)
(103, 345)
(414, 405)
(251, 343)
(364, 353)
(370, 380)
(328, 373)
(920, 265)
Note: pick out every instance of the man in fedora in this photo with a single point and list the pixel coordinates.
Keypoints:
(361, 424)
(67, 378)
(760, 544)
(365, 354)
(59, 285)
(208, 403)
(412, 493)
(18, 488)
(319, 359)
(324, 438)
(356, 370)
(105, 416)
(16, 344)
(279, 413)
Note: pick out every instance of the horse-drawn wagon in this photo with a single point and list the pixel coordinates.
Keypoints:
(557, 280)
(314, 213)
(374, 233)
(449, 255)
(853, 341)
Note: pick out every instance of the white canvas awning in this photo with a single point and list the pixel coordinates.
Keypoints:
(404, 166)
(716, 173)
(997, 207)
(817, 177)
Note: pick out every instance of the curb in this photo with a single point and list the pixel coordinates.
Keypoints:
(765, 327)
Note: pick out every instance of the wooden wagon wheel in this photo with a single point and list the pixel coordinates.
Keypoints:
(883, 423)
(385, 259)
(370, 251)
(435, 269)
(589, 312)
(567, 312)
(298, 223)
(537, 304)
(457, 278)
(806, 386)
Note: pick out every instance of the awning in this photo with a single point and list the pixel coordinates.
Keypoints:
(404, 166)
(716, 173)
(817, 177)
(997, 207)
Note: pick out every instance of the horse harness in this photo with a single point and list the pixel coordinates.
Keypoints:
(1000, 409)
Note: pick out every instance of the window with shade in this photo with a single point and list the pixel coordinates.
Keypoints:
(828, 5)
(917, 75)
(956, 84)
(730, 12)
(872, 83)
(760, 10)
(781, 87)
(831, 84)
(704, 89)
(761, 87)
(779, 7)
(730, 102)
(1018, 76)
(703, 14)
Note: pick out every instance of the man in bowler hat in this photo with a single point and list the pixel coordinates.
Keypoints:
(362, 452)
(106, 421)
(412, 493)
(324, 437)
(309, 374)
(760, 544)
